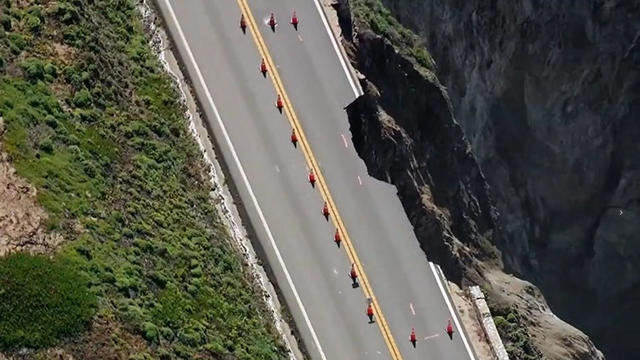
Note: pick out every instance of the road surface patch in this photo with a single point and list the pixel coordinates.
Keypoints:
(310, 159)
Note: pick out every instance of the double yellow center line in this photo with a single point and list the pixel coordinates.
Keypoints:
(313, 164)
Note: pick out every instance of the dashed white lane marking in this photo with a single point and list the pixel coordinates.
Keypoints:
(344, 140)
(412, 309)
(431, 336)
(277, 168)
(300, 38)
(359, 180)
(245, 180)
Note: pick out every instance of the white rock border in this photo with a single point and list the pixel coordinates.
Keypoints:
(488, 326)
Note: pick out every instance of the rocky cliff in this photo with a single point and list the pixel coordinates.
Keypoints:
(405, 130)
(548, 93)
(444, 180)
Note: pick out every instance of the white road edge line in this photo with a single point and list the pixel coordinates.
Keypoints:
(451, 310)
(356, 88)
(245, 179)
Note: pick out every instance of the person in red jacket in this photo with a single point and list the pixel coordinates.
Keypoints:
(412, 337)
(325, 211)
(263, 68)
(354, 276)
(294, 20)
(450, 330)
(370, 313)
(312, 178)
(272, 22)
(243, 24)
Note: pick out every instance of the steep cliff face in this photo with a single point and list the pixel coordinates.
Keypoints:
(548, 93)
(428, 160)
(404, 129)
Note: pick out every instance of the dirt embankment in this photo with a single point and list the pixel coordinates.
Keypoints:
(22, 220)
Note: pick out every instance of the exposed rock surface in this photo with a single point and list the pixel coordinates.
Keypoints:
(404, 129)
(427, 159)
(548, 92)
(22, 220)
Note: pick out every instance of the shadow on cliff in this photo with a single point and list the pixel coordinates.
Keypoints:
(404, 129)
(405, 133)
(548, 94)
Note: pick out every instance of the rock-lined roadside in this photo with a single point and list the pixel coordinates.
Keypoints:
(221, 195)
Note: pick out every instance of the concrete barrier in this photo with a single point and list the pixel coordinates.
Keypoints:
(488, 326)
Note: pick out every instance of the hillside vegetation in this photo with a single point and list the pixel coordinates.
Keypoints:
(374, 15)
(93, 122)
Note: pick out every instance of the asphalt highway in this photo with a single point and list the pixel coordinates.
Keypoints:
(285, 211)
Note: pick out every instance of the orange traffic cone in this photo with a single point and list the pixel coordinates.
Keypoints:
(272, 22)
(312, 178)
(325, 211)
(412, 337)
(243, 24)
(337, 238)
(263, 68)
(450, 330)
(294, 138)
(294, 20)
(353, 275)
(370, 313)
(279, 103)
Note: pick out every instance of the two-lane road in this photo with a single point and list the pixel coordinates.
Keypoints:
(271, 177)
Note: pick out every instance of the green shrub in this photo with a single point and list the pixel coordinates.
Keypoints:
(66, 13)
(82, 98)
(5, 20)
(513, 333)
(47, 145)
(33, 24)
(17, 43)
(151, 332)
(35, 11)
(33, 68)
(51, 70)
(41, 301)
(51, 121)
(74, 35)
